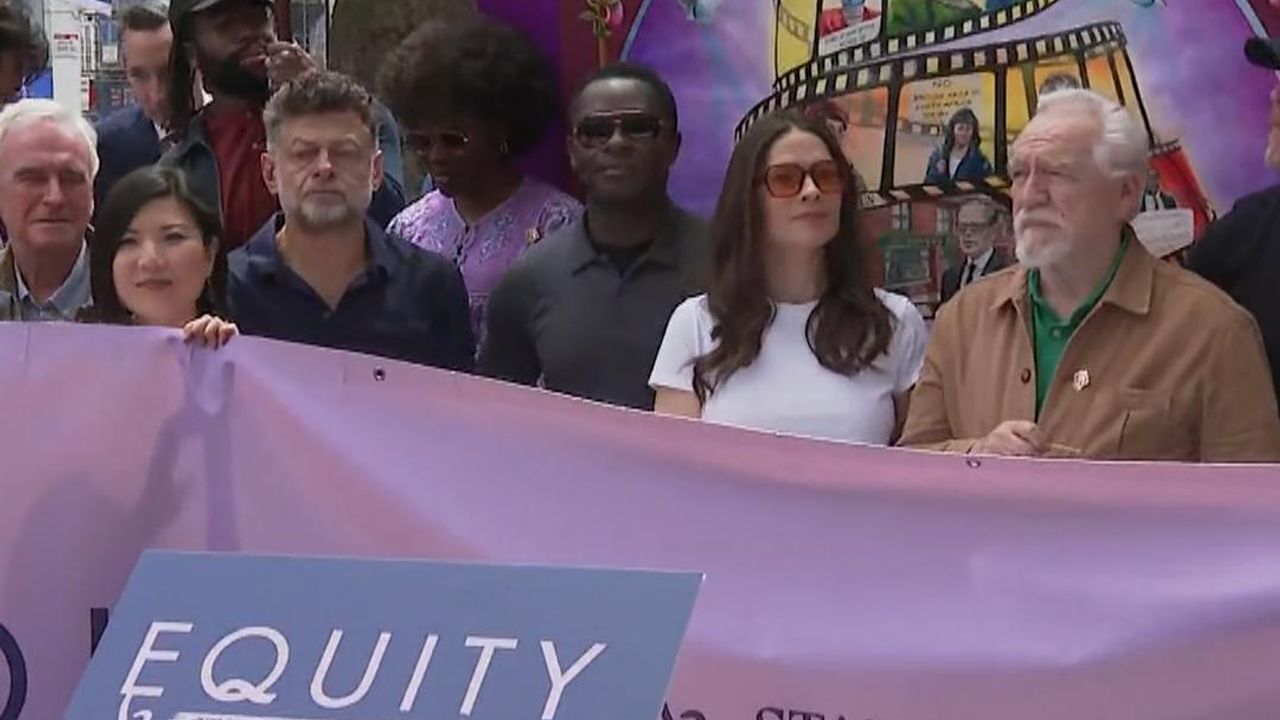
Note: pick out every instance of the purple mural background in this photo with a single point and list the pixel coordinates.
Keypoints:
(1192, 74)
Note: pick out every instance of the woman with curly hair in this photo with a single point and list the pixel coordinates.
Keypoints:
(473, 95)
(791, 337)
(24, 52)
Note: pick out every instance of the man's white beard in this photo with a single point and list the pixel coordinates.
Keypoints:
(1041, 254)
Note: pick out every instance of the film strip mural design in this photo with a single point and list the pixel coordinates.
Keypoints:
(899, 120)
(892, 114)
(815, 37)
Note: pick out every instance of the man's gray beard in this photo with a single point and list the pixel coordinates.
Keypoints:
(316, 216)
(325, 216)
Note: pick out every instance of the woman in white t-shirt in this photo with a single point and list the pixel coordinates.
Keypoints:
(791, 336)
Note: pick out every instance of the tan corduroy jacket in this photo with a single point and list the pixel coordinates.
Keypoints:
(1165, 367)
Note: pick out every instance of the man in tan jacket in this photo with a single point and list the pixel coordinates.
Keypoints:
(1091, 347)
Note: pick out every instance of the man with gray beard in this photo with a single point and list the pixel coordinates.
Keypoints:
(1092, 347)
(320, 272)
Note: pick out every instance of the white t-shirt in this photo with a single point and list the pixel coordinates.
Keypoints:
(786, 390)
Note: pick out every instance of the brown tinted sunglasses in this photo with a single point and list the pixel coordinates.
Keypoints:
(786, 180)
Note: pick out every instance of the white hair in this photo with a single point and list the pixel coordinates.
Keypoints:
(35, 110)
(1123, 147)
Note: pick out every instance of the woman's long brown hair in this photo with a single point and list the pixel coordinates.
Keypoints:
(847, 330)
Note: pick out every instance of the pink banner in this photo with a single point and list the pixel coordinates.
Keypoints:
(842, 582)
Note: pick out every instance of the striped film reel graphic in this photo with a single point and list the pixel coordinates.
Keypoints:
(887, 47)
(994, 186)
(792, 25)
(894, 73)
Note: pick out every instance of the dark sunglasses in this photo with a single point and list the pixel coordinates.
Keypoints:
(786, 180)
(421, 143)
(596, 130)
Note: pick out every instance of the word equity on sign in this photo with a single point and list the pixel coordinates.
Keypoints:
(259, 692)
(267, 638)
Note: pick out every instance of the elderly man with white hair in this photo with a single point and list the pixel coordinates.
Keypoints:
(1092, 347)
(48, 160)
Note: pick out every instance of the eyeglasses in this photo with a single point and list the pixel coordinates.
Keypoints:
(420, 144)
(968, 229)
(597, 130)
(786, 180)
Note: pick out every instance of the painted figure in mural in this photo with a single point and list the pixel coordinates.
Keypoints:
(837, 15)
(838, 120)
(1059, 81)
(634, 254)
(475, 95)
(960, 156)
(791, 336)
(907, 16)
(24, 51)
(1092, 347)
(699, 10)
(1153, 198)
(156, 259)
(835, 116)
(978, 225)
(1239, 252)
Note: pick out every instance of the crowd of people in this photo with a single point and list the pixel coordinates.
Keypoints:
(250, 192)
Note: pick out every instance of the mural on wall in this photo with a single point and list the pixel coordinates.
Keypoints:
(930, 94)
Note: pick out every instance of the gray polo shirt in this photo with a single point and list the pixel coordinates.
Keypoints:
(565, 317)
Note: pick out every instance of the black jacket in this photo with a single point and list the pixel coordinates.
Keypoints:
(951, 278)
(127, 140)
(1240, 253)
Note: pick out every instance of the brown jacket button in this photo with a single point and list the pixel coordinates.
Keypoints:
(1026, 375)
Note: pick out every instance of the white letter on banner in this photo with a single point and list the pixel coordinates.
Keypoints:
(560, 680)
(419, 672)
(148, 653)
(238, 689)
(326, 661)
(482, 667)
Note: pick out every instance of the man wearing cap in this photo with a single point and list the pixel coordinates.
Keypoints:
(1239, 252)
(234, 46)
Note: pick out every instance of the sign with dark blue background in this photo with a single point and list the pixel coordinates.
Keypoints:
(235, 637)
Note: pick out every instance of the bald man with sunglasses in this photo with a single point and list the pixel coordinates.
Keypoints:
(584, 311)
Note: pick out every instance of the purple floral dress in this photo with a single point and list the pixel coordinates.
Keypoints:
(484, 251)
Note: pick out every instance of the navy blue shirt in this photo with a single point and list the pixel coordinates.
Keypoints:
(409, 304)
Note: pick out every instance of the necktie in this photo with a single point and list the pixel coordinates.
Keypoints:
(968, 276)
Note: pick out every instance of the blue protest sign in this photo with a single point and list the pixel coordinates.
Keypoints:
(236, 637)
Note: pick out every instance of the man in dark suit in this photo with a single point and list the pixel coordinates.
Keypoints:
(1153, 198)
(133, 137)
(977, 227)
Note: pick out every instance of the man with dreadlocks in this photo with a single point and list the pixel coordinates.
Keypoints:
(233, 45)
